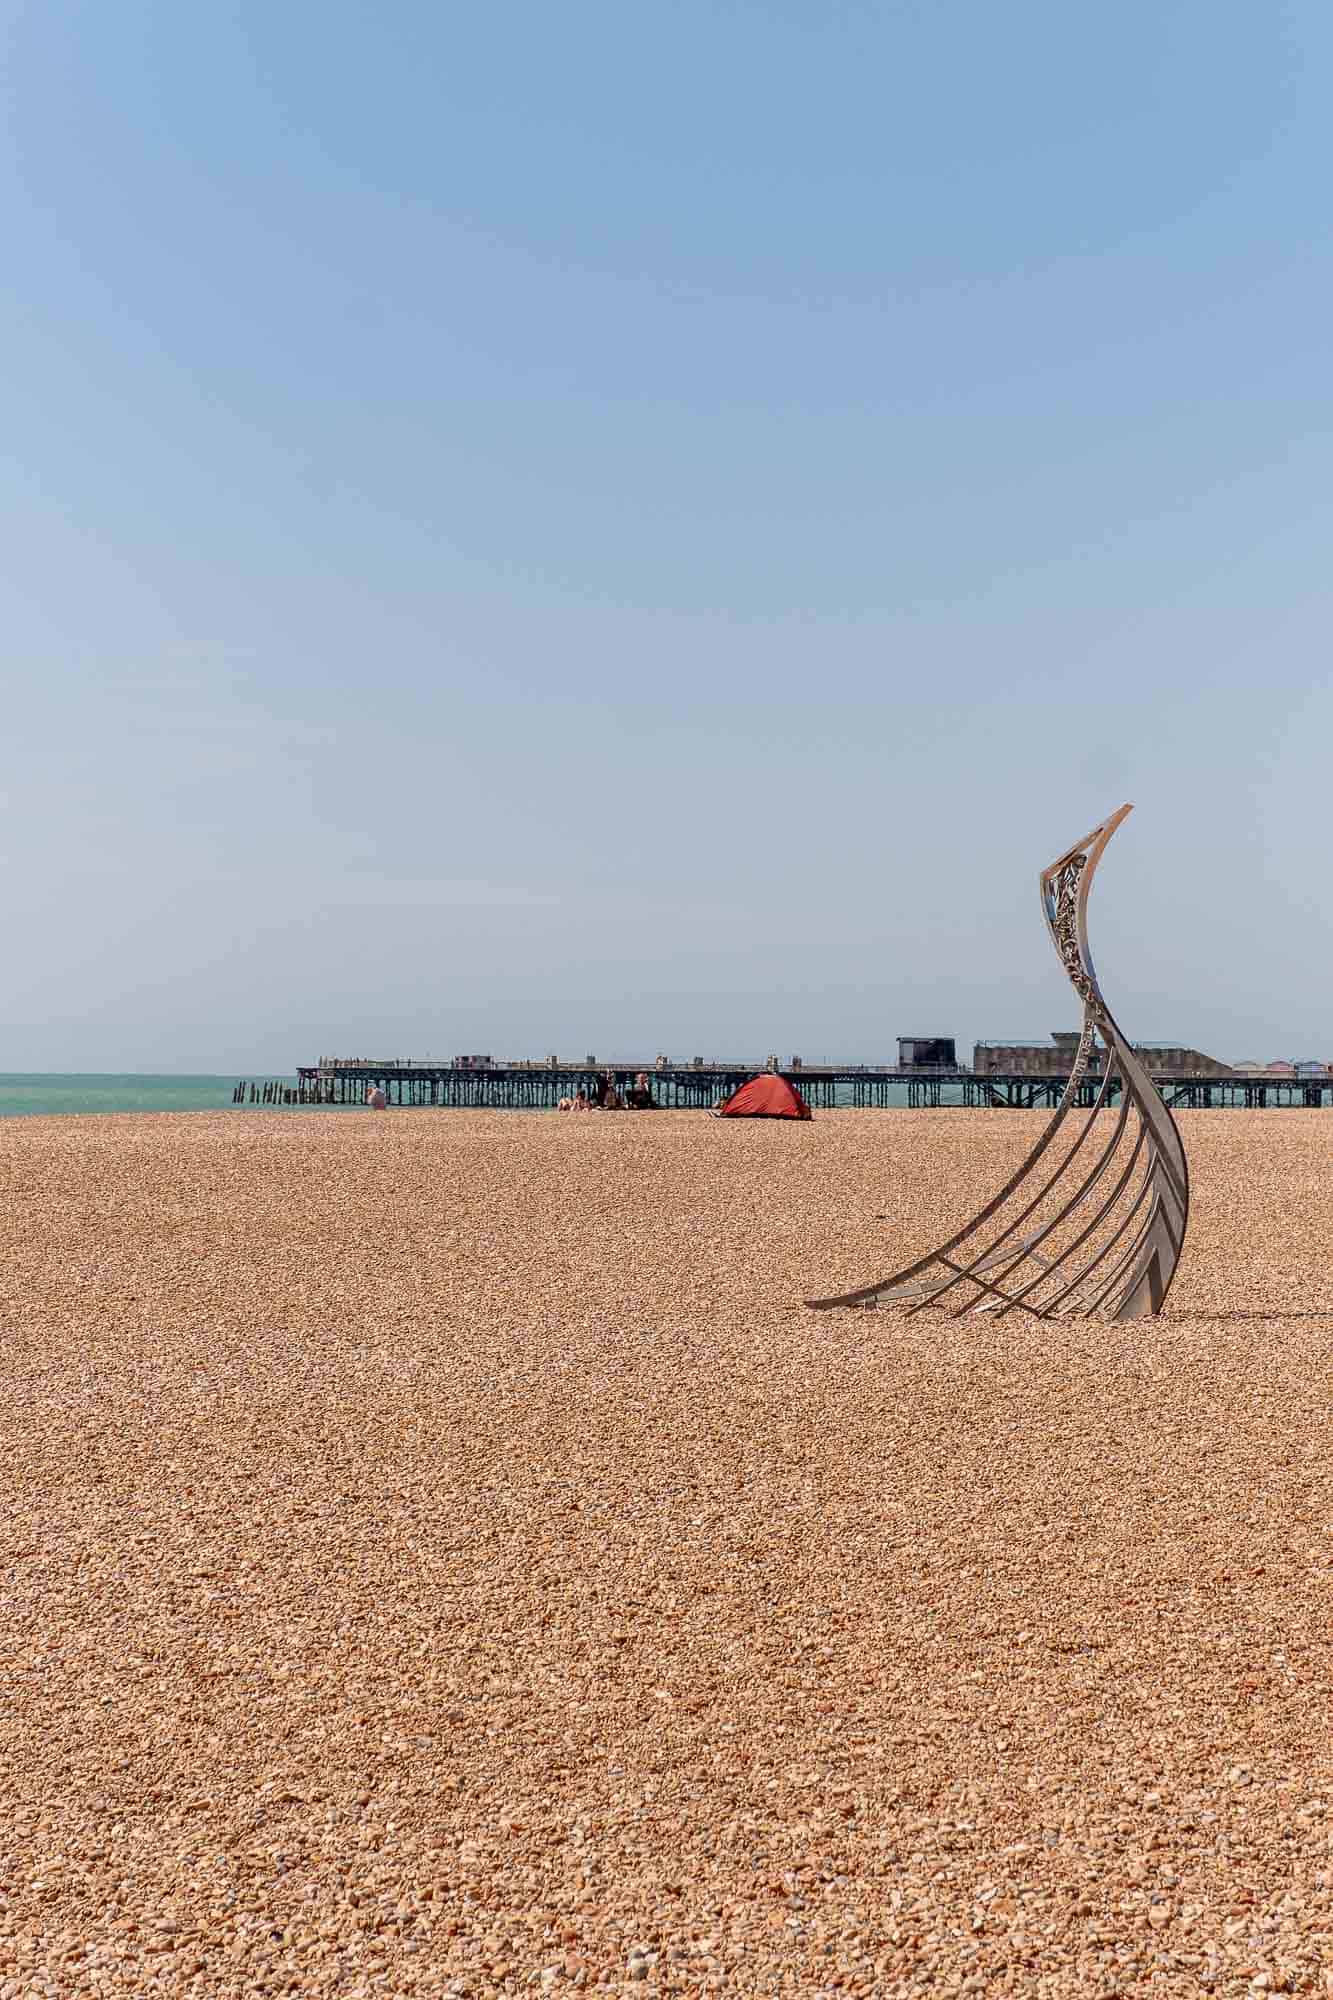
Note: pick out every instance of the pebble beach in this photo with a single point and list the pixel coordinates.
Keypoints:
(440, 1555)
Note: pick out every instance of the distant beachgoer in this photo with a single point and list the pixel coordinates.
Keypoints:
(640, 1098)
(376, 1099)
(565, 1104)
(580, 1102)
(611, 1098)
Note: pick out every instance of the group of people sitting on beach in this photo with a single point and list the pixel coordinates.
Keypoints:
(602, 1095)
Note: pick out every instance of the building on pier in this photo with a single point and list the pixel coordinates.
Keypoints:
(1056, 1058)
(927, 1052)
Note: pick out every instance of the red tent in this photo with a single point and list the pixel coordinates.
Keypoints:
(766, 1096)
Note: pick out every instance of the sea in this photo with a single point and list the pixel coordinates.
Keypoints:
(39, 1096)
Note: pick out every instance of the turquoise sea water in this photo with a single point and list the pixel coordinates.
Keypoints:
(45, 1096)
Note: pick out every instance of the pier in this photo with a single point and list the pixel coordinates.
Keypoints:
(696, 1086)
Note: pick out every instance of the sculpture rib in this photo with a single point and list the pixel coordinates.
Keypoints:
(1004, 1269)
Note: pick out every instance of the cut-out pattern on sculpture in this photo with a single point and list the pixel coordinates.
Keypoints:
(1094, 1219)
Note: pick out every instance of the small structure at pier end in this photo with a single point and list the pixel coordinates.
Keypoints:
(1091, 1222)
(930, 1052)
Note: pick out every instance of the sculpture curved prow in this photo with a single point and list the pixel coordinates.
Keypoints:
(1103, 1236)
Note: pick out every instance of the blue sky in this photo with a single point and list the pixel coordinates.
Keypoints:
(621, 529)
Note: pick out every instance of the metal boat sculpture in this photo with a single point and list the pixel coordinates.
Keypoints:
(1093, 1220)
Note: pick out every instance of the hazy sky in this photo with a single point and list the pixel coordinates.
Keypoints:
(611, 528)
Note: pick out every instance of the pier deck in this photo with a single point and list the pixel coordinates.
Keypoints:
(690, 1086)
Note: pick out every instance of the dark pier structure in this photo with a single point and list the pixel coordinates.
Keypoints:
(532, 1086)
(540, 1086)
(1257, 1091)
